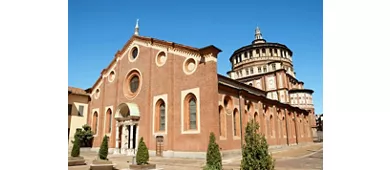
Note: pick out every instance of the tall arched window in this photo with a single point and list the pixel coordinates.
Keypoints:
(192, 111)
(279, 127)
(301, 127)
(108, 120)
(236, 119)
(95, 122)
(220, 119)
(272, 127)
(283, 127)
(222, 122)
(256, 117)
(162, 117)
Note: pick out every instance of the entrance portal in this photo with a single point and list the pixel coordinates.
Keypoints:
(127, 117)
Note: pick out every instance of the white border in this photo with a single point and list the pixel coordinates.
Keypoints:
(108, 76)
(351, 34)
(156, 58)
(195, 67)
(97, 128)
(139, 86)
(163, 97)
(96, 94)
(184, 93)
(105, 117)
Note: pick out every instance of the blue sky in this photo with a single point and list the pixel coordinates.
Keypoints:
(97, 29)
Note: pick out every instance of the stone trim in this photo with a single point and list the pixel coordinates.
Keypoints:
(196, 93)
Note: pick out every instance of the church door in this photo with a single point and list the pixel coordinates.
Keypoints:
(159, 145)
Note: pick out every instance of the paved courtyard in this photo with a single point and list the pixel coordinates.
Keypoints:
(306, 157)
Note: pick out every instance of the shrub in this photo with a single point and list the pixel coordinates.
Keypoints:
(213, 158)
(85, 135)
(76, 148)
(255, 153)
(103, 151)
(142, 156)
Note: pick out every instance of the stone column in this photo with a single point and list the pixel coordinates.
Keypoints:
(116, 151)
(131, 135)
(124, 139)
(131, 150)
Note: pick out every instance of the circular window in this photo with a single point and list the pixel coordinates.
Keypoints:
(132, 84)
(189, 66)
(97, 93)
(161, 58)
(133, 54)
(111, 76)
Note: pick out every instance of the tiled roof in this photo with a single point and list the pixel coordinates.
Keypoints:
(74, 90)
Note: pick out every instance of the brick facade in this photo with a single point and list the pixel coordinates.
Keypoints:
(181, 98)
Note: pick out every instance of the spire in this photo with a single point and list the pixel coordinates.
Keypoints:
(258, 35)
(136, 32)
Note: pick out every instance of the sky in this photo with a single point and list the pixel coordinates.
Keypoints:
(97, 29)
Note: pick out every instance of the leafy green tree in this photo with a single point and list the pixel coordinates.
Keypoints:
(213, 157)
(85, 135)
(76, 148)
(142, 156)
(255, 153)
(103, 151)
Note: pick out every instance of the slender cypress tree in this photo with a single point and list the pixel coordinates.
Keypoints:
(255, 153)
(142, 156)
(213, 158)
(103, 151)
(76, 148)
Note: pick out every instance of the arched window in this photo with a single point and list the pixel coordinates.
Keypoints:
(272, 127)
(266, 120)
(108, 120)
(301, 127)
(95, 122)
(283, 127)
(192, 111)
(222, 122)
(236, 119)
(256, 117)
(162, 117)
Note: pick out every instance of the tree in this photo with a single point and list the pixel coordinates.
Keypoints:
(103, 151)
(255, 153)
(142, 156)
(76, 148)
(85, 135)
(214, 161)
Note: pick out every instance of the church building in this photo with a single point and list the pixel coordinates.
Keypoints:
(171, 95)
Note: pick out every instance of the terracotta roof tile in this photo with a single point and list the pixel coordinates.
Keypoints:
(78, 91)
